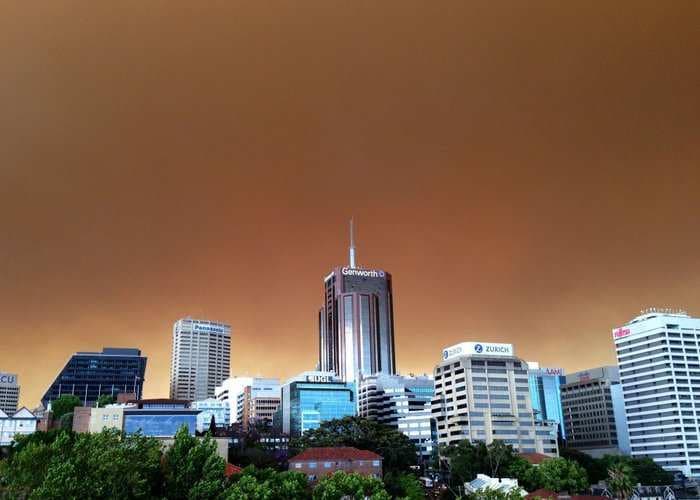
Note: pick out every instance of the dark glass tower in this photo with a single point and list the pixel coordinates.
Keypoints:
(356, 322)
(91, 374)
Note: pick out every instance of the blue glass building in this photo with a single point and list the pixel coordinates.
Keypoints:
(160, 418)
(545, 392)
(312, 398)
(91, 374)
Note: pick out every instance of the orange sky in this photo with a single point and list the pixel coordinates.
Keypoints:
(528, 172)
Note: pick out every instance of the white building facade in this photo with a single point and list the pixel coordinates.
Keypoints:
(200, 358)
(22, 422)
(209, 408)
(482, 394)
(657, 354)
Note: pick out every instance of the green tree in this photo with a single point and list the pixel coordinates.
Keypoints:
(490, 494)
(397, 450)
(356, 486)
(192, 468)
(403, 485)
(63, 405)
(597, 469)
(620, 480)
(463, 461)
(286, 485)
(559, 474)
(648, 472)
(104, 400)
(499, 456)
(528, 475)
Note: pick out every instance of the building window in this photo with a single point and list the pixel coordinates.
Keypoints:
(375, 463)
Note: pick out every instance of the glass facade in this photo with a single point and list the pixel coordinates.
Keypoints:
(91, 374)
(159, 424)
(306, 403)
(545, 392)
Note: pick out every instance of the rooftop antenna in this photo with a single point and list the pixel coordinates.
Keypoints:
(352, 244)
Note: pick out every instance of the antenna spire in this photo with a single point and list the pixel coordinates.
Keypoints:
(352, 243)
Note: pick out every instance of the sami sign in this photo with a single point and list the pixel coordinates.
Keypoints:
(8, 379)
(618, 333)
(363, 273)
(480, 348)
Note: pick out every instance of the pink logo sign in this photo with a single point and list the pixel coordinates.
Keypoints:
(621, 332)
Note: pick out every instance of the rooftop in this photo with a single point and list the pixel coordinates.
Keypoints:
(534, 458)
(337, 453)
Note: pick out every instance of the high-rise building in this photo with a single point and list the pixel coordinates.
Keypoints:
(657, 353)
(545, 393)
(356, 321)
(482, 394)
(593, 412)
(313, 397)
(403, 403)
(200, 358)
(229, 391)
(9, 392)
(89, 375)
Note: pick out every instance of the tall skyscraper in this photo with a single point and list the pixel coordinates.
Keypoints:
(482, 393)
(545, 393)
(89, 375)
(593, 412)
(201, 358)
(356, 321)
(657, 353)
(9, 392)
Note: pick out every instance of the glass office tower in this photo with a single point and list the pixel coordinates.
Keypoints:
(545, 392)
(314, 397)
(91, 374)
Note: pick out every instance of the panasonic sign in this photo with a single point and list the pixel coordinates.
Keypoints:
(362, 273)
(478, 349)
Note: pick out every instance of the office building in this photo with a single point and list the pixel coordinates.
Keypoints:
(482, 393)
(545, 394)
(22, 422)
(402, 402)
(356, 322)
(229, 391)
(9, 392)
(657, 353)
(200, 358)
(89, 375)
(313, 397)
(211, 408)
(593, 412)
(258, 401)
(159, 418)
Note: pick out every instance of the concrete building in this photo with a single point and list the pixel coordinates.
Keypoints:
(545, 393)
(258, 401)
(482, 394)
(209, 408)
(109, 417)
(22, 422)
(484, 483)
(402, 402)
(200, 360)
(317, 463)
(657, 353)
(9, 392)
(229, 392)
(356, 322)
(89, 375)
(313, 397)
(81, 418)
(160, 418)
(593, 412)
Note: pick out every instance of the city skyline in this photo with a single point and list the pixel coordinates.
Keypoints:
(528, 176)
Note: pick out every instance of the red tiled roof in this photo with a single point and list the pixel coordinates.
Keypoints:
(535, 458)
(339, 453)
(232, 469)
(543, 494)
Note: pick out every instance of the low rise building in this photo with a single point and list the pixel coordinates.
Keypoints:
(160, 418)
(81, 418)
(211, 408)
(484, 483)
(109, 417)
(317, 463)
(22, 422)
